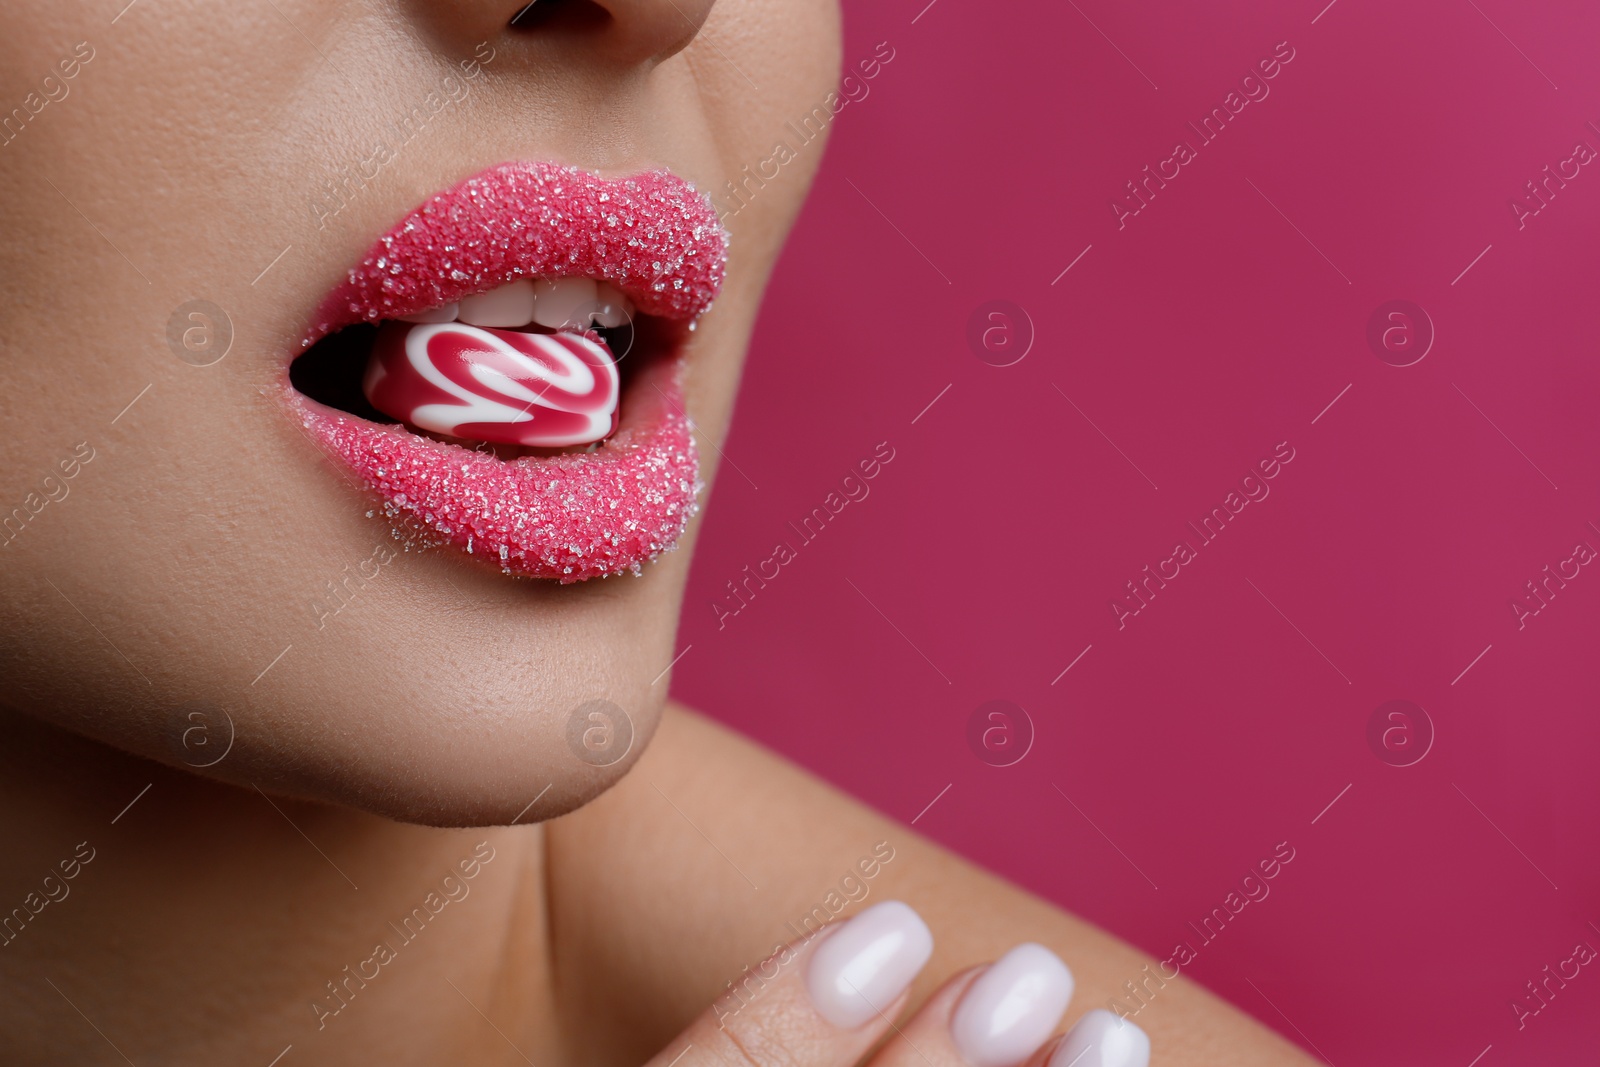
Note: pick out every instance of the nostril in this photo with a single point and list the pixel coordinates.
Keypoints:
(561, 14)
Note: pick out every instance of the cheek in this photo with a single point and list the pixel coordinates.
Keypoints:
(797, 47)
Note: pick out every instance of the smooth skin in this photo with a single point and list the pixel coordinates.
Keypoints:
(375, 760)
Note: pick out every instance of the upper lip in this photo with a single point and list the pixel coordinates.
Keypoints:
(649, 234)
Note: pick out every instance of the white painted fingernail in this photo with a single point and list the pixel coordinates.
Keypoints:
(863, 966)
(1009, 1010)
(1101, 1039)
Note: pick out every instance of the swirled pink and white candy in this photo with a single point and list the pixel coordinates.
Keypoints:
(544, 390)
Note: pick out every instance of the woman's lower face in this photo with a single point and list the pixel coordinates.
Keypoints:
(357, 360)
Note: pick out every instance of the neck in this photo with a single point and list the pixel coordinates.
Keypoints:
(181, 919)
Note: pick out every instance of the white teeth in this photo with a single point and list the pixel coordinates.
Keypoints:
(552, 302)
(563, 301)
(510, 305)
(615, 308)
(444, 314)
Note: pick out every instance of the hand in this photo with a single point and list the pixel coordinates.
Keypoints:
(830, 999)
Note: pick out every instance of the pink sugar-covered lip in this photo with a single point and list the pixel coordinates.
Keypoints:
(651, 235)
(566, 517)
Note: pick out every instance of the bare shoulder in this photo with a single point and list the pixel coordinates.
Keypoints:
(713, 851)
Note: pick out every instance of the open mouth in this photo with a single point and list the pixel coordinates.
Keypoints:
(503, 367)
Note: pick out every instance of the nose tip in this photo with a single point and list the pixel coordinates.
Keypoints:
(629, 31)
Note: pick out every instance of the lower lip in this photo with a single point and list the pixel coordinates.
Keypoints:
(567, 517)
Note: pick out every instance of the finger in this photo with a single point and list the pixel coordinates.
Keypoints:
(995, 1016)
(822, 1002)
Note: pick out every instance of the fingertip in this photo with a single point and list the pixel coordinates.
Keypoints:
(865, 965)
(1102, 1039)
(1010, 1009)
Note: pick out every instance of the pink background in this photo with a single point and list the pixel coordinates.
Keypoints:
(1216, 723)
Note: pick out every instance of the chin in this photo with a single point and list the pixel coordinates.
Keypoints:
(520, 770)
(429, 751)
(456, 698)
